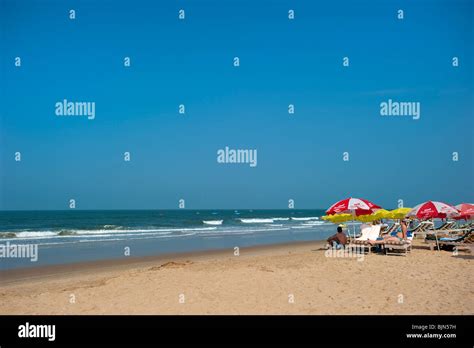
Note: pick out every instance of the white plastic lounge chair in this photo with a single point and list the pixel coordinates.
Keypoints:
(368, 233)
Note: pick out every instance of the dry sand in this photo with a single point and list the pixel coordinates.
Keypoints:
(262, 280)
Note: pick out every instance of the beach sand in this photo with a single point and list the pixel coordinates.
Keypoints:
(282, 279)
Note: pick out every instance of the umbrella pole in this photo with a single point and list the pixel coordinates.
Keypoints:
(353, 225)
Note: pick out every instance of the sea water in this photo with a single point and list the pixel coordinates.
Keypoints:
(79, 235)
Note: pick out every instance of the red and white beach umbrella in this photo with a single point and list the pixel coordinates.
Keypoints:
(431, 210)
(354, 206)
(466, 211)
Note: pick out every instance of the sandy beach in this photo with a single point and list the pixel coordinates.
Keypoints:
(282, 279)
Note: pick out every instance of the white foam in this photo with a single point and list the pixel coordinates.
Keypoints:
(152, 231)
(281, 219)
(111, 226)
(314, 223)
(305, 218)
(213, 222)
(102, 233)
(34, 234)
(256, 221)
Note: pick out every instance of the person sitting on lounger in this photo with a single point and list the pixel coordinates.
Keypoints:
(400, 236)
(339, 239)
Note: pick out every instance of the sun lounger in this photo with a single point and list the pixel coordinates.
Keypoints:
(422, 227)
(446, 226)
(464, 240)
(367, 233)
(392, 228)
(434, 237)
(401, 247)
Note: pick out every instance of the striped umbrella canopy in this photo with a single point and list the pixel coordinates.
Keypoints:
(433, 209)
(466, 211)
(354, 206)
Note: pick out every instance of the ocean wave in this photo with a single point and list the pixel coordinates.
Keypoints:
(112, 227)
(136, 231)
(212, 222)
(232, 231)
(7, 235)
(79, 236)
(34, 234)
(99, 233)
(300, 227)
(305, 218)
(256, 221)
(281, 219)
(314, 223)
(67, 233)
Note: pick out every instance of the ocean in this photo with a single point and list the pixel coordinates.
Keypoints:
(78, 235)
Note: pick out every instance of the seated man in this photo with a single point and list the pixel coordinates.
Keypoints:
(339, 239)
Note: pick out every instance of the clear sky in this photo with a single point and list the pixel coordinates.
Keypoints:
(190, 62)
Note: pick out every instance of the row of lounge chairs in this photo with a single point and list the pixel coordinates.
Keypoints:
(465, 240)
(446, 233)
(403, 247)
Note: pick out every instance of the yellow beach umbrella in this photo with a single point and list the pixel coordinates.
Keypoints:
(398, 214)
(378, 215)
(338, 218)
(365, 218)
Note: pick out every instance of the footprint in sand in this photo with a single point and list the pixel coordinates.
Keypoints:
(265, 269)
(171, 264)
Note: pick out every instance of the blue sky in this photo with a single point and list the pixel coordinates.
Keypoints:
(189, 62)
